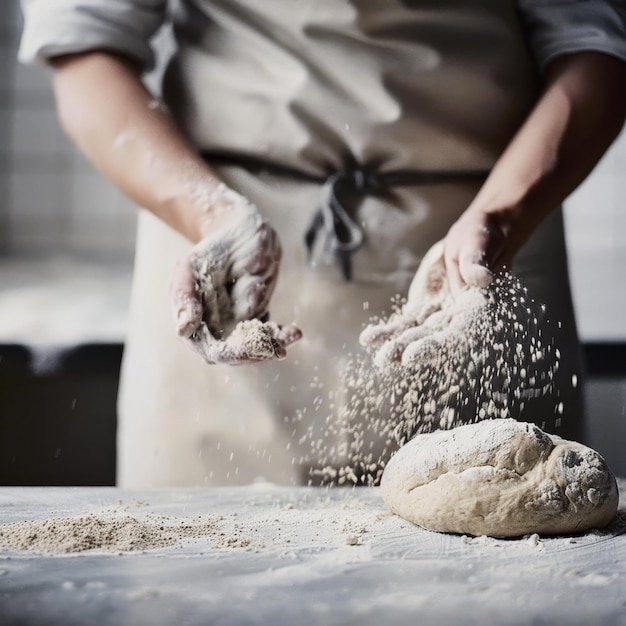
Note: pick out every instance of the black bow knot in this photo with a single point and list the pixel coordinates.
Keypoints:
(342, 235)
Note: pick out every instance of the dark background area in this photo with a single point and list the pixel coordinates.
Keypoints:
(58, 415)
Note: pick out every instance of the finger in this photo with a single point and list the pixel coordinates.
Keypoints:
(396, 347)
(476, 275)
(288, 335)
(430, 276)
(185, 300)
(425, 350)
(270, 252)
(473, 270)
(454, 273)
(376, 334)
(250, 296)
(391, 351)
(256, 253)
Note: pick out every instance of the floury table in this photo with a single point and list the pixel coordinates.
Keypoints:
(278, 555)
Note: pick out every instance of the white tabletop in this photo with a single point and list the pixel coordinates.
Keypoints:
(305, 556)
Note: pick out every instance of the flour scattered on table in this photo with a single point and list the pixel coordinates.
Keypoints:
(266, 526)
(108, 532)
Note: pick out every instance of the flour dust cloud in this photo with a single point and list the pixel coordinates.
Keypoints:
(496, 357)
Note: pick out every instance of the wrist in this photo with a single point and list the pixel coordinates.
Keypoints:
(194, 203)
(216, 207)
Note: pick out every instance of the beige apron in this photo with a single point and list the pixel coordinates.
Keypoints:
(321, 85)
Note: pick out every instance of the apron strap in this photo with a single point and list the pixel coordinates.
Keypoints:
(331, 223)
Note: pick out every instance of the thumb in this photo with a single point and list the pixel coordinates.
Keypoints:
(482, 256)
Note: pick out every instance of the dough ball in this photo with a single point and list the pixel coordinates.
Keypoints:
(501, 478)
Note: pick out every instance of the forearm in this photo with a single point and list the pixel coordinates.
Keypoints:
(110, 116)
(580, 113)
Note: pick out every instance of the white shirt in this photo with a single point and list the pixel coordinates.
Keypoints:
(55, 27)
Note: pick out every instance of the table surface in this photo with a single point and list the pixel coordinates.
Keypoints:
(304, 556)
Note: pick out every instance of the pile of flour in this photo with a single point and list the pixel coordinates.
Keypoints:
(259, 340)
(107, 531)
(248, 342)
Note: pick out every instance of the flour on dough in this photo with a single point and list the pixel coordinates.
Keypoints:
(501, 478)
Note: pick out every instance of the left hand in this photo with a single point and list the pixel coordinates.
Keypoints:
(431, 307)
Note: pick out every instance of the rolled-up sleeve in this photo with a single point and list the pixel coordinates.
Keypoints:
(57, 27)
(557, 27)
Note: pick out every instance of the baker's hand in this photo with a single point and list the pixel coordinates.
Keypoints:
(480, 244)
(229, 276)
(431, 307)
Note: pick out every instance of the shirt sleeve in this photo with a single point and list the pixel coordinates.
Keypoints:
(557, 27)
(56, 27)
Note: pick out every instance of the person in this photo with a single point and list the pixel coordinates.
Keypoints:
(371, 130)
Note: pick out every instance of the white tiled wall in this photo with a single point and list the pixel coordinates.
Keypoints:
(52, 201)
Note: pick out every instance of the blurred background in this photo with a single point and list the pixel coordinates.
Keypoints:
(66, 253)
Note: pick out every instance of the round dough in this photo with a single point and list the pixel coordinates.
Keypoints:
(501, 478)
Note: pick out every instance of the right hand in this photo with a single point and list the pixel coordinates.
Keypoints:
(228, 277)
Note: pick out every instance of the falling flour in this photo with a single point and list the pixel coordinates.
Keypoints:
(492, 353)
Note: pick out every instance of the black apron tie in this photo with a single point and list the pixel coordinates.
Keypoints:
(341, 235)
